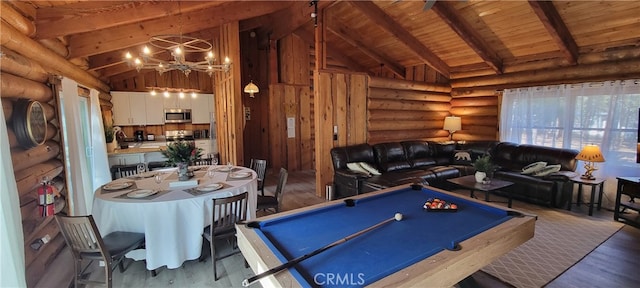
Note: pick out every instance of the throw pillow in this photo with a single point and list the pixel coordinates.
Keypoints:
(461, 157)
(548, 170)
(369, 168)
(355, 166)
(533, 167)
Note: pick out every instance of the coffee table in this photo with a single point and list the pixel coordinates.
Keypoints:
(470, 183)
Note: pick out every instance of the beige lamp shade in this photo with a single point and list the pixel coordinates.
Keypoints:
(590, 153)
(251, 89)
(452, 123)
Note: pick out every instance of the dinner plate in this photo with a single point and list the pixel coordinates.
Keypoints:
(224, 169)
(117, 186)
(240, 175)
(141, 193)
(210, 187)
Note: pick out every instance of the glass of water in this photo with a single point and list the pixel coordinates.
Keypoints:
(214, 161)
(158, 179)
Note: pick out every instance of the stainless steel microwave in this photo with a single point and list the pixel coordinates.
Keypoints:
(177, 115)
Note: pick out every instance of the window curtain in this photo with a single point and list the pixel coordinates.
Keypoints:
(574, 115)
(12, 260)
(85, 147)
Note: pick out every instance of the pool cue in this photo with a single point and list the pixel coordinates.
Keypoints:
(274, 270)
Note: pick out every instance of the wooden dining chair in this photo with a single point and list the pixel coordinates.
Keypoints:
(226, 213)
(274, 202)
(260, 166)
(83, 238)
(202, 162)
(128, 170)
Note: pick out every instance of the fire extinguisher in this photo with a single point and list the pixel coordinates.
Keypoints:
(45, 198)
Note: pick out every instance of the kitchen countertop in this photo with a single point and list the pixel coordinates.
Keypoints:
(140, 147)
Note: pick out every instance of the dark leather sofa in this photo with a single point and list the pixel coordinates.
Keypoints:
(432, 162)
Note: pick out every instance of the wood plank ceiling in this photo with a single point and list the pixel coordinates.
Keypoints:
(456, 38)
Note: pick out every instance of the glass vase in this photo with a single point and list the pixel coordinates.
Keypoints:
(183, 171)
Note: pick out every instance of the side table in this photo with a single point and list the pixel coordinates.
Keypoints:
(629, 186)
(594, 183)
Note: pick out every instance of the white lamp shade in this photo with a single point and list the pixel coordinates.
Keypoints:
(452, 123)
(251, 89)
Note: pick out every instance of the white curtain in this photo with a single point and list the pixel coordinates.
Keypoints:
(12, 261)
(571, 116)
(85, 147)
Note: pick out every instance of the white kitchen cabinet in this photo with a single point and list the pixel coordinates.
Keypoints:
(126, 159)
(128, 108)
(174, 101)
(205, 145)
(202, 109)
(155, 109)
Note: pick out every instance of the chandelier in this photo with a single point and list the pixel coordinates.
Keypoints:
(179, 46)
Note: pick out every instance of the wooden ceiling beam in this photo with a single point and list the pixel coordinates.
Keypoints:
(355, 40)
(331, 51)
(93, 43)
(448, 14)
(286, 21)
(548, 14)
(57, 21)
(384, 21)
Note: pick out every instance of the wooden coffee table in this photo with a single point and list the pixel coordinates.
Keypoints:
(470, 183)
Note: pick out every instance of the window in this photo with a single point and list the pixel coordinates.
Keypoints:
(571, 116)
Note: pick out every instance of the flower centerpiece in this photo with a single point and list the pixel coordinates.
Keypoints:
(181, 153)
(483, 165)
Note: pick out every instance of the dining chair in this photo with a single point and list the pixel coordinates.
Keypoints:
(202, 162)
(83, 238)
(274, 202)
(260, 166)
(129, 170)
(226, 213)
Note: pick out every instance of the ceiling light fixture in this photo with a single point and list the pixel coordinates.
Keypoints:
(166, 91)
(179, 46)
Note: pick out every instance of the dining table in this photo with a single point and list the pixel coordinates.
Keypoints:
(171, 213)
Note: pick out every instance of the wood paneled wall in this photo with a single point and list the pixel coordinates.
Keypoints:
(340, 102)
(172, 79)
(479, 112)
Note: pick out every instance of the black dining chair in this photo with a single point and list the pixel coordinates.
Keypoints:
(260, 166)
(274, 202)
(226, 213)
(83, 238)
(122, 171)
(202, 162)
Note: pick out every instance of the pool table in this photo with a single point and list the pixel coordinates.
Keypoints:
(426, 248)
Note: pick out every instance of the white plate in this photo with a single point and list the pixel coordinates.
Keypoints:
(223, 169)
(210, 187)
(117, 186)
(141, 193)
(238, 175)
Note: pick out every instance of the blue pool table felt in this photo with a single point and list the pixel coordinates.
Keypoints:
(380, 252)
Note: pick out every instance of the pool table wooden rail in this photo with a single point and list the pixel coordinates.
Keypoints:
(444, 269)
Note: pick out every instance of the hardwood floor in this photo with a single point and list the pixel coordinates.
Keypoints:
(612, 264)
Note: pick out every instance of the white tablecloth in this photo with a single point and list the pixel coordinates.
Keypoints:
(172, 222)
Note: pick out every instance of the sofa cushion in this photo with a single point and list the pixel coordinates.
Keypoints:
(442, 151)
(418, 153)
(369, 168)
(355, 167)
(461, 157)
(391, 156)
(347, 154)
(547, 170)
(532, 153)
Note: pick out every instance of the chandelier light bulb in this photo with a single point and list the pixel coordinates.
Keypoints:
(137, 61)
(166, 94)
(128, 55)
(146, 50)
(209, 55)
(226, 60)
(178, 51)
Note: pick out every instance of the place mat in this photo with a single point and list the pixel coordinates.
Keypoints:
(144, 175)
(130, 188)
(194, 191)
(229, 178)
(223, 169)
(150, 197)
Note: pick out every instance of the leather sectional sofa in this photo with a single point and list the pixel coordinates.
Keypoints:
(433, 163)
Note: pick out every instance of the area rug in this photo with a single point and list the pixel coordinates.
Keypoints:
(562, 238)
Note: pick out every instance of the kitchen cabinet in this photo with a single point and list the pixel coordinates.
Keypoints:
(128, 108)
(126, 159)
(202, 109)
(155, 109)
(174, 101)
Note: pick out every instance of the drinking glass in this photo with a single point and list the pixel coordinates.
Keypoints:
(158, 179)
(229, 166)
(211, 173)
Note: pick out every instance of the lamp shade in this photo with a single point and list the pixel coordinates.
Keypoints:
(452, 124)
(590, 153)
(251, 89)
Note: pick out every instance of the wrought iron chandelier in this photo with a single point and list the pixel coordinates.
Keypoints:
(179, 46)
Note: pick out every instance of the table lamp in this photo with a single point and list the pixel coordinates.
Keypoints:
(453, 124)
(590, 154)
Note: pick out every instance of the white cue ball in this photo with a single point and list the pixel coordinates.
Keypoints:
(398, 216)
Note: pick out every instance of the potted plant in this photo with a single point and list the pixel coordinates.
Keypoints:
(181, 153)
(109, 137)
(483, 165)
